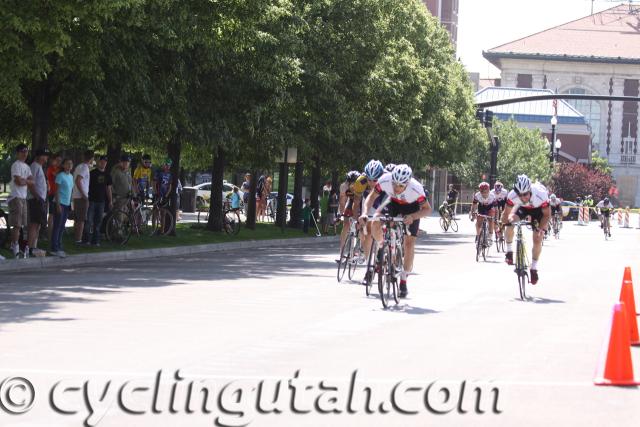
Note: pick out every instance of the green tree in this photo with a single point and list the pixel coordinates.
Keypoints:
(600, 164)
(522, 151)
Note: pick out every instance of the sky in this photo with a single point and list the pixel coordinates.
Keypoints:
(485, 24)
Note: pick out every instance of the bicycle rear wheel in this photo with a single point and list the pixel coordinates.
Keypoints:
(344, 258)
(231, 222)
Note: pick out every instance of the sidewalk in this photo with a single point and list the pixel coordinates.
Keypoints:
(30, 264)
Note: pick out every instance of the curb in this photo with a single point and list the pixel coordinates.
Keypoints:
(31, 264)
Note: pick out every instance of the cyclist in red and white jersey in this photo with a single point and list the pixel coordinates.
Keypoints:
(407, 198)
(527, 199)
(500, 194)
(484, 203)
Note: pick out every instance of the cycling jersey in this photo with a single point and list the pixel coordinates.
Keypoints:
(413, 193)
(555, 204)
(490, 200)
(143, 176)
(361, 185)
(604, 208)
(539, 198)
(501, 195)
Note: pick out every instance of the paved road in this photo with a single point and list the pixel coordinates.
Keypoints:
(265, 315)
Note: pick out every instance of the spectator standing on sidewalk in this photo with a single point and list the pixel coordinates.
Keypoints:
(55, 161)
(64, 190)
(235, 198)
(142, 178)
(21, 178)
(81, 177)
(37, 199)
(99, 195)
(306, 216)
(121, 182)
(246, 188)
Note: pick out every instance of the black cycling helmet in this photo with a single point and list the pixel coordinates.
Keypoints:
(606, 200)
(352, 176)
(146, 157)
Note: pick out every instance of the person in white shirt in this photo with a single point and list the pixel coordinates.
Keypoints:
(37, 200)
(20, 179)
(81, 194)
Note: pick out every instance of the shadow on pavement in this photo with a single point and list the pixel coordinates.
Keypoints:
(27, 296)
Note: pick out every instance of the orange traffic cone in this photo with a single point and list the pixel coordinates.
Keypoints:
(627, 276)
(626, 296)
(615, 367)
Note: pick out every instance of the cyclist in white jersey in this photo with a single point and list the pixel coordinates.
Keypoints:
(406, 197)
(484, 203)
(500, 194)
(527, 200)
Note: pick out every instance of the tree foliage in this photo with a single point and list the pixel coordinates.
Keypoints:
(521, 151)
(571, 180)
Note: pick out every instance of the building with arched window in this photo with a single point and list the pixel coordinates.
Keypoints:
(597, 54)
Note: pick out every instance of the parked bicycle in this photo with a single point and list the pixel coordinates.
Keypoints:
(132, 217)
(161, 218)
(231, 220)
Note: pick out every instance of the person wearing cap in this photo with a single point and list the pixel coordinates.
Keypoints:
(121, 182)
(81, 177)
(21, 178)
(99, 195)
(37, 199)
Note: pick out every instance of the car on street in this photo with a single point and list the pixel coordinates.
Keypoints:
(569, 210)
(274, 194)
(203, 192)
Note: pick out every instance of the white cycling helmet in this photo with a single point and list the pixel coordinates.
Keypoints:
(522, 184)
(401, 174)
(374, 169)
(552, 197)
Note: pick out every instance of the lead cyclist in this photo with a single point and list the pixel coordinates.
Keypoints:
(406, 197)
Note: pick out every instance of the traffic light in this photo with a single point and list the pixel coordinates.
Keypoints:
(488, 119)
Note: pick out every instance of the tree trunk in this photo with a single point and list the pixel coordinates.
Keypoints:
(315, 187)
(335, 185)
(113, 154)
(41, 103)
(174, 148)
(251, 208)
(215, 202)
(297, 203)
(281, 211)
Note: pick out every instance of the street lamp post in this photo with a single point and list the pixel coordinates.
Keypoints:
(558, 145)
(554, 122)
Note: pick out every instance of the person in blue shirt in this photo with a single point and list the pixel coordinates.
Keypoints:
(64, 182)
(235, 198)
(163, 180)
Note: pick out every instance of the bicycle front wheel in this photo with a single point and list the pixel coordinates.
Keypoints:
(443, 224)
(353, 261)
(371, 269)
(118, 228)
(521, 270)
(162, 222)
(344, 258)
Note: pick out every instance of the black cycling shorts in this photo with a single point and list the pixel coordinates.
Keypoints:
(396, 209)
(535, 214)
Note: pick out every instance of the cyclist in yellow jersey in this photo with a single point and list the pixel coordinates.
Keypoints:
(142, 177)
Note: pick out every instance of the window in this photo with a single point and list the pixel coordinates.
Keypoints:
(525, 80)
(591, 112)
